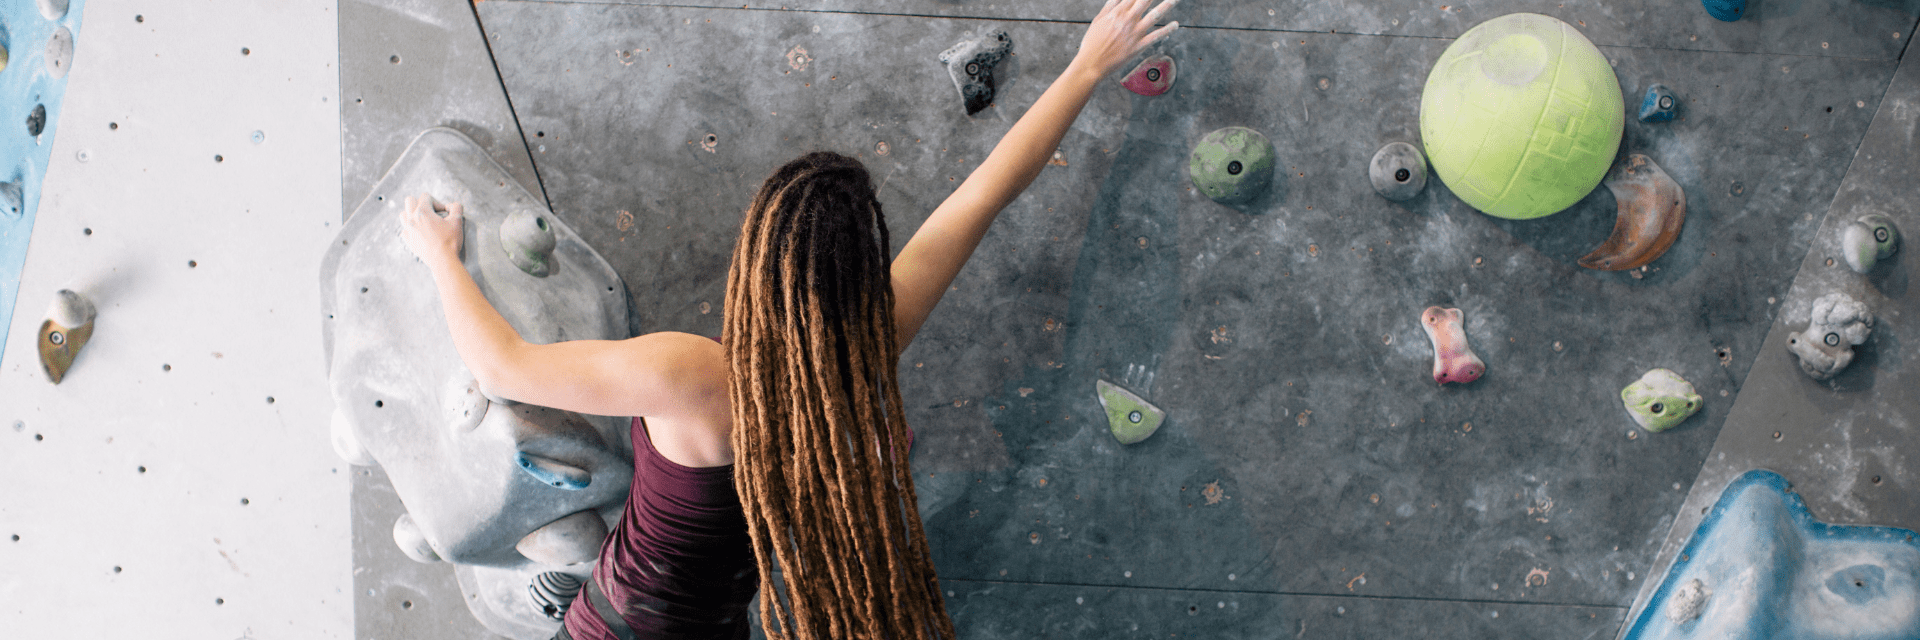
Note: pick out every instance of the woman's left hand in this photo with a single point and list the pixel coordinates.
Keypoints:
(431, 237)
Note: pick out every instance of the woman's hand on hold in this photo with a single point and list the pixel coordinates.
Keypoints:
(1123, 28)
(431, 237)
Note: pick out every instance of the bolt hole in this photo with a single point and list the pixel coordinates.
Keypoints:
(395, 58)
(406, 604)
(541, 223)
(87, 231)
(219, 601)
(218, 158)
(1402, 175)
(116, 569)
(142, 469)
(1876, 479)
(1666, 102)
(1833, 339)
(113, 126)
(136, 18)
(269, 399)
(1657, 407)
(1880, 234)
(245, 502)
(1829, 109)
(245, 51)
(1234, 168)
(1859, 583)
(191, 264)
(1153, 75)
(36, 438)
(539, 134)
(711, 138)
(1776, 435)
(379, 403)
(166, 367)
(363, 289)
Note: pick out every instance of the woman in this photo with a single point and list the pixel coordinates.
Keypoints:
(784, 443)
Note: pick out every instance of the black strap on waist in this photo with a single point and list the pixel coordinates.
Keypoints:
(604, 607)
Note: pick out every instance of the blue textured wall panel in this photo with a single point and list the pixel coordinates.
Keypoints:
(1760, 567)
(26, 83)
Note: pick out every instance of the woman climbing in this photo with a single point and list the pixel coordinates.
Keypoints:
(783, 446)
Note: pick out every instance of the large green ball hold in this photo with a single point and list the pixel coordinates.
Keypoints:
(1521, 116)
(1232, 165)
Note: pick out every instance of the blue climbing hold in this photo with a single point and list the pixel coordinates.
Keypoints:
(553, 472)
(1659, 104)
(1727, 10)
(1760, 566)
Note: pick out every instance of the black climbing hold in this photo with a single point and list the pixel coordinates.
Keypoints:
(1658, 105)
(37, 120)
(971, 64)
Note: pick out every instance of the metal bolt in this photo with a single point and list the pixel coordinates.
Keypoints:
(1134, 417)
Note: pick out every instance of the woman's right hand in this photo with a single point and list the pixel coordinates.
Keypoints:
(1120, 31)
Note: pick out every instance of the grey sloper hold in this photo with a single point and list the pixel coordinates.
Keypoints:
(1398, 171)
(971, 64)
(53, 9)
(1837, 323)
(1868, 240)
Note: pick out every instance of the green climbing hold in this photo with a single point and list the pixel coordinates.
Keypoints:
(1130, 417)
(1660, 400)
(1232, 165)
(1521, 116)
(529, 241)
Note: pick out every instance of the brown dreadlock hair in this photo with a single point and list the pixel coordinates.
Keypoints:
(819, 436)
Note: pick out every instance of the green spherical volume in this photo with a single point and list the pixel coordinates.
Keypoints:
(1232, 165)
(1521, 116)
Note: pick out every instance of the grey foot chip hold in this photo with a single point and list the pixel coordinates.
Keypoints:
(1130, 417)
(13, 204)
(1398, 171)
(59, 53)
(971, 64)
(1836, 323)
(1232, 165)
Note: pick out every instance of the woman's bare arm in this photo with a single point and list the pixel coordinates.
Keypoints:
(659, 374)
(929, 262)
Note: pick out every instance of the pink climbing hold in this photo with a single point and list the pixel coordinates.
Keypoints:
(1453, 360)
(1153, 77)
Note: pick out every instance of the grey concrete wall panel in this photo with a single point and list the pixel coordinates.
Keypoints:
(991, 610)
(405, 66)
(1848, 445)
(1873, 29)
(454, 453)
(1306, 448)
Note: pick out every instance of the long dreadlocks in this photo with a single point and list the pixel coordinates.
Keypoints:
(819, 434)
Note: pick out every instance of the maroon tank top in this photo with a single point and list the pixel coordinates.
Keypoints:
(679, 564)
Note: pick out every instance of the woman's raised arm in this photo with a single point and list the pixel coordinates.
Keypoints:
(929, 262)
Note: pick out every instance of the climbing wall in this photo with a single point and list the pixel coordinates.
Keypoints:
(1310, 476)
(177, 482)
